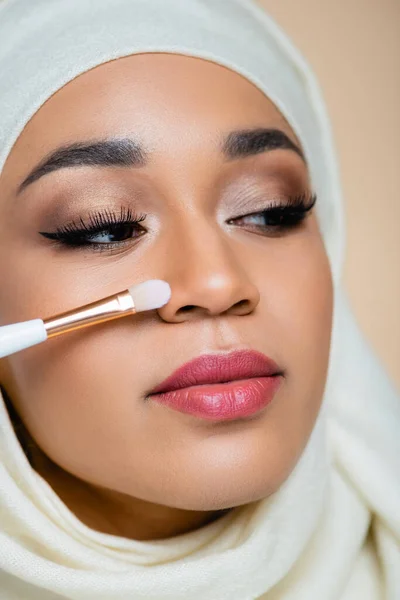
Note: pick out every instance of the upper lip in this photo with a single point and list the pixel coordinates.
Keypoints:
(219, 368)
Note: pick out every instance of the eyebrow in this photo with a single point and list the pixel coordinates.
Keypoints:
(249, 142)
(127, 153)
(104, 153)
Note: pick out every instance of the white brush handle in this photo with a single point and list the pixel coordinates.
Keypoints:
(19, 336)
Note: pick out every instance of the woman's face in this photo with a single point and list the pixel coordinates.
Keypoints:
(238, 282)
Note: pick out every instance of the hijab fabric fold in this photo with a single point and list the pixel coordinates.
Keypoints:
(332, 531)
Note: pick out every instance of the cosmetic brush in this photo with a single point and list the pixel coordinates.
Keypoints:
(148, 295)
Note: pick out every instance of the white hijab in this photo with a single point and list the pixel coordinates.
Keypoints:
(332, 531)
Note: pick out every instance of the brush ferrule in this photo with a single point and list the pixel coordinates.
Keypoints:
(113, 307)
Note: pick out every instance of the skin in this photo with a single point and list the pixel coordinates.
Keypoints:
(124, 465)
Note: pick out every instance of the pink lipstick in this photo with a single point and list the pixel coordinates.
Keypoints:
(221, 387)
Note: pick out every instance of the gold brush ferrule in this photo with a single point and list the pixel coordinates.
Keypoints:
(112, 307)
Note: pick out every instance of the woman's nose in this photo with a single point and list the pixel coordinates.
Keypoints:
(207, 278)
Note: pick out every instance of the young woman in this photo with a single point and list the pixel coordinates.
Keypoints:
(240, 442)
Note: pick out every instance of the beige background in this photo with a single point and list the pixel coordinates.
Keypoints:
(354, 48)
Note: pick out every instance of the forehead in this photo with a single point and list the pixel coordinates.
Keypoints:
(170, 103)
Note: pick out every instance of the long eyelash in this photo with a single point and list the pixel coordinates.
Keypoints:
(293, 210)
(302, 203)
(97, 222)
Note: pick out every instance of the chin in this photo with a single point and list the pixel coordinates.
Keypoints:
(224, 495)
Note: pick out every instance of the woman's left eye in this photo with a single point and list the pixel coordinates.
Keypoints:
(278, 218)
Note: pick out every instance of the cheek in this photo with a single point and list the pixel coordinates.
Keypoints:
(301, 302)
(297, 309)
(38, 285)
(305, 306)
(80, 392)
(56, 386)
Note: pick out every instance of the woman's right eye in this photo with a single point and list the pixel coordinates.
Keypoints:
(115, 233)
(103, 231)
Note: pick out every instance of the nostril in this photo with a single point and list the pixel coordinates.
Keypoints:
(243, 307)
(187, 308)
(241, 304)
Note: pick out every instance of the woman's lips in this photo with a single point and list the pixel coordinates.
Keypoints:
(223, 401)
(221, 386)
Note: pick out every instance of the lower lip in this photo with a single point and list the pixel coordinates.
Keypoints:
(223, 401)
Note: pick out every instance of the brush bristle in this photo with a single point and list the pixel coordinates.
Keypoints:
(150, 295)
